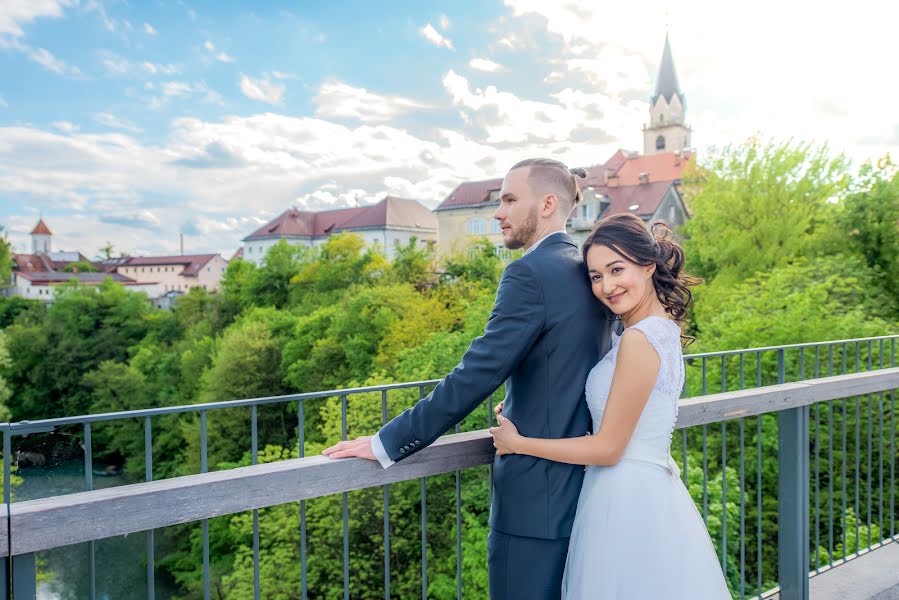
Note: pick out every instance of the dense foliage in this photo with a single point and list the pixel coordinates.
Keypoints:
(792, 248)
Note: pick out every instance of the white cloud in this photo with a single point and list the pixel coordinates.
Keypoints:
(432, 35)
(3, 103)
(282, 75)
(341, 100)
(45, 58)
(115, 122)
(262, 90)
(182, 89)
(484, 64)
(14, 15)
(444, 22)
(209, 46)
(160, 69)
(149, 29)
(121, 66)
(224, 57)
(65, 126)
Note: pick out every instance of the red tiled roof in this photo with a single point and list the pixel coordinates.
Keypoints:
(471, 193)
(620, 169)
(41, 228)
(193, 262)
(238, 254)
(647, 197)
(666, 166)
(389, 212)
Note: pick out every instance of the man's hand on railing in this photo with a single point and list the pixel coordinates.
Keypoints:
(358, 448)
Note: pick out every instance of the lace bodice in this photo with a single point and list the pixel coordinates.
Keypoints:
(656, 424)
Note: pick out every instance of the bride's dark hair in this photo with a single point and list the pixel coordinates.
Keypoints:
(628, 235)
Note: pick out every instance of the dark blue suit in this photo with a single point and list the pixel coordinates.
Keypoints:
(544, 335)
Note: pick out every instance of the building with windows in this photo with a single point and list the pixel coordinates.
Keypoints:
(467, 213)
(383, 225)
(667, 130)
(645, 185)
(38, 275)
(172, 273)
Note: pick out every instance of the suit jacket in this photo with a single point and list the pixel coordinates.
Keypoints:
(545, 333)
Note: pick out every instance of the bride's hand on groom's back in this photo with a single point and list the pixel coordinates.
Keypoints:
(506, 436)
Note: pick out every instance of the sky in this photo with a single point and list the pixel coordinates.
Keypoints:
(136, 122)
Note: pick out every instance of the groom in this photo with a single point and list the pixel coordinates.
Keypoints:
(544, 335)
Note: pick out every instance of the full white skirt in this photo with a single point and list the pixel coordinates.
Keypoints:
(638, 536)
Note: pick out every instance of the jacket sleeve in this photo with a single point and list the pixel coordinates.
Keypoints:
(517, 320)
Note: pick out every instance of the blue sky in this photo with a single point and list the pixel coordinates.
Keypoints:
(135, 122)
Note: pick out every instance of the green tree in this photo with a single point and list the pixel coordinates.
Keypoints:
(759, 204)
(870, 218)
(477, 263)
(270, 284)
(5, 260)
(414, 263)
(81, 266)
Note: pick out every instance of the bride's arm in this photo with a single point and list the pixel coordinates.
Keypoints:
(636, 370)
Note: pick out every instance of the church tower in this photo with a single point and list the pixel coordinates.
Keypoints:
(40, 238)
(667, 130)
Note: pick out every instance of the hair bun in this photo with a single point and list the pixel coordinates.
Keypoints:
(578, 172)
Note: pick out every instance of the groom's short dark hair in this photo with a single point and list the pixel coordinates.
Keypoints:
(550, 176)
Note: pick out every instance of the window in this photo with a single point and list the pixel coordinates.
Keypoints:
(671, 213)
(249, 250)
(660, 142)
(494, 226)
(587, 211)
(477, 226)
(494, 195)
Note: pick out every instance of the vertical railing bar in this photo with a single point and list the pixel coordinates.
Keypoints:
(148, 476)
(845, 478)
(870, 452)
(857, 466)
(386, 490)
(683, 431)
(830, 478)
(88, 486)
(705, 463)
(880, 453)
(758, 491)
(458, 530)
(301, 452)
(893, 445)
(742, 507)
(254, 459)
(817, 516)
(346, 509)
(204, 467)
(724, 475)
(424, 525)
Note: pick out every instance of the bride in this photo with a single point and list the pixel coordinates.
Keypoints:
(637, 534)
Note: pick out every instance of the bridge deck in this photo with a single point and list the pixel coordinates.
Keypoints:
(872, 576)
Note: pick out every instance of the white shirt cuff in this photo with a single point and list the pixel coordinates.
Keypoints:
(377, 449)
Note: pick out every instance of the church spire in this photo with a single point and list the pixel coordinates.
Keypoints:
(666, 80)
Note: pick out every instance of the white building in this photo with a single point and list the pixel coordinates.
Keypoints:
(390, 221)
(173, 273)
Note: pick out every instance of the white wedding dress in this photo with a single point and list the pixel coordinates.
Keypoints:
(637, 534)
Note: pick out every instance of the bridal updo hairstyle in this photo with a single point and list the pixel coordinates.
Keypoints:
(628, 235)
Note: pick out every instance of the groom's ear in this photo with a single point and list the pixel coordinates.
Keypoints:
(550, 204)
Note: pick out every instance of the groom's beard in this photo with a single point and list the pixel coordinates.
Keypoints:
(525, 234)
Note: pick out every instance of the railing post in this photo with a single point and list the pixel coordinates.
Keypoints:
(24, 577)
(792, 503)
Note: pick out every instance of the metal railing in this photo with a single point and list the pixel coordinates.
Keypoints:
(736, 370)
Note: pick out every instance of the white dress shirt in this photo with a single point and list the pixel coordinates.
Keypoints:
(377, 447)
